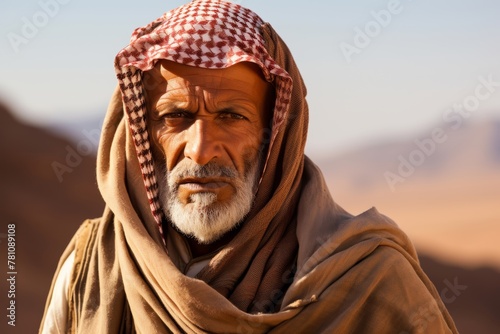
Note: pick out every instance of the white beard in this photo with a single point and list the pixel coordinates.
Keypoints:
(203, 217)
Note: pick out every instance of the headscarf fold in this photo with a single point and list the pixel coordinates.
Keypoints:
(299, 263)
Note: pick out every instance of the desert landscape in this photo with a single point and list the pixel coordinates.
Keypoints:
(449, 206)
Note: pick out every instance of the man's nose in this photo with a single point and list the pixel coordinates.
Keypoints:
(202, 143)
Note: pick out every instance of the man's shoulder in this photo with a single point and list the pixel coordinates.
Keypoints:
(335, 232)
(83, 239)
(85, 232)
(88, 227)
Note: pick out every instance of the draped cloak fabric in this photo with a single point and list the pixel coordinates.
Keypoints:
(299, 263)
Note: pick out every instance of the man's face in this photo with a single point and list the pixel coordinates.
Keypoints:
(206, 127)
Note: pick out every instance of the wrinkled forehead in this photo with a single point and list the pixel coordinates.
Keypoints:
(175, 85)
(244, 76)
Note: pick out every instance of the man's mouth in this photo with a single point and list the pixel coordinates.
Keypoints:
(202, 184)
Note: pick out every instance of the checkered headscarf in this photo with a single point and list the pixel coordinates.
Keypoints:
(210, 34)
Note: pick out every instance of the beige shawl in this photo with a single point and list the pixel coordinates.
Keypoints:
(299, 264)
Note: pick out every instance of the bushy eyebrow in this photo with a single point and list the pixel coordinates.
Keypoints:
(171, 106)
(177, 100)
(171, 101)
(236, 102)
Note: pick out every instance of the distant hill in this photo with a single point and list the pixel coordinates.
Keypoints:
(446, 195)
(47, 211)
(447, 199)
(79, 131)
(472, 296)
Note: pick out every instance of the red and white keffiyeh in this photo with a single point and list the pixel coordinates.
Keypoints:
(210, 34)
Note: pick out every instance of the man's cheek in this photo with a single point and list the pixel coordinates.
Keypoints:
(156, 147)
(172, 151)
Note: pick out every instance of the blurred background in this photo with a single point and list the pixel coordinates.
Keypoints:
(404, 103)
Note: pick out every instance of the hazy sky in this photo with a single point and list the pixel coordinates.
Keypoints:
(398, 74)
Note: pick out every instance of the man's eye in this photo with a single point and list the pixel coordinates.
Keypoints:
(176, 114)
(231, 115)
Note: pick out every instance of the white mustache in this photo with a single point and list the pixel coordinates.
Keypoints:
(188, 169)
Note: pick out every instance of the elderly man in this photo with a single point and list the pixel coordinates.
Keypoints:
(215, 221)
